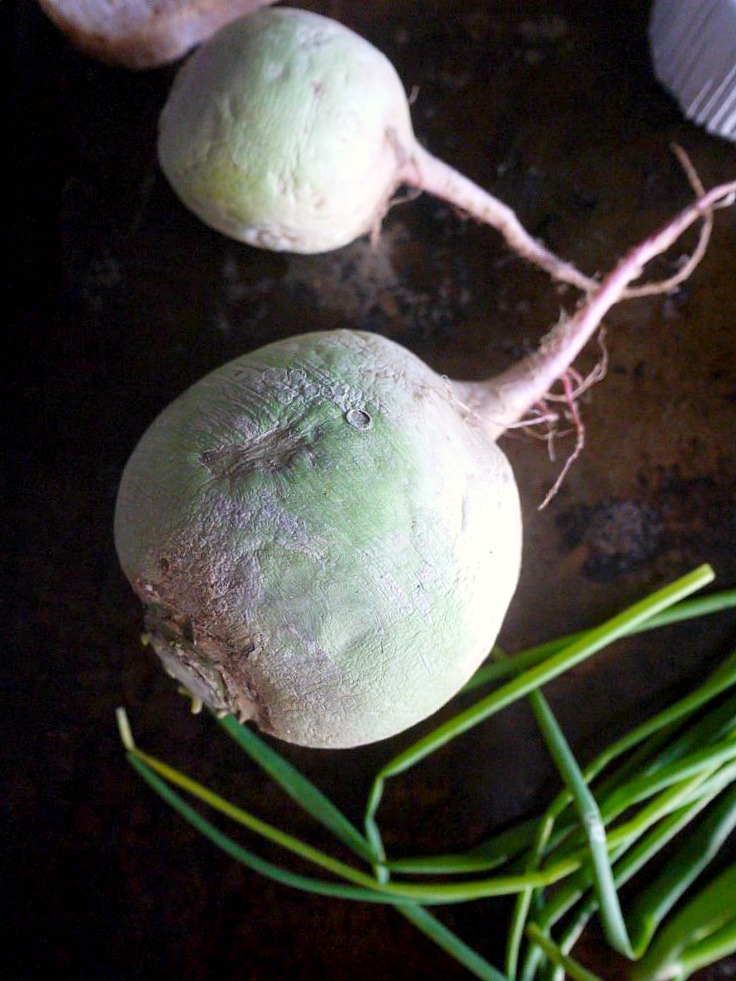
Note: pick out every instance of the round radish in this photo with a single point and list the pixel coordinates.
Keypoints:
(301, 562)
(325, 533)
(289, 131)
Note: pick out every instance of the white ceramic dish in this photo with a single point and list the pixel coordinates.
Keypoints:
(693, 47)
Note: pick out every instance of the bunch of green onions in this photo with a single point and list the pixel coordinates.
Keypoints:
(667, 788)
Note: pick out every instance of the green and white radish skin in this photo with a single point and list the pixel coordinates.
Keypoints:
(325, 533)
(267, 132)
(347, 524)
(288, 131)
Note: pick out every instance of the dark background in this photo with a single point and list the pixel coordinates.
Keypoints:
(118, 299)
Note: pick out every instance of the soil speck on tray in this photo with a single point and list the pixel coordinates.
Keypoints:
(674, 516)
(615, 536)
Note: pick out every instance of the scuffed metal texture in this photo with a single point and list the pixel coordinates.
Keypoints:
(121, 298)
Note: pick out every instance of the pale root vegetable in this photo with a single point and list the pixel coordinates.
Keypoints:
(325, 533)
(301, 562)
(288, 131)
(142, 33)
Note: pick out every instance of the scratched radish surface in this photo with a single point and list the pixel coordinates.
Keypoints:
(120, 299)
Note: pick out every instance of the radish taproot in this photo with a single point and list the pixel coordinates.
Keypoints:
(325, 533)
(291, 132)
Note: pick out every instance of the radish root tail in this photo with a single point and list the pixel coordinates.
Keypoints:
(688, 267)
(425, 172)
(502, 401)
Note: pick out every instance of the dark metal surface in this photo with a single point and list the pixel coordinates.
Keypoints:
(120, 299)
